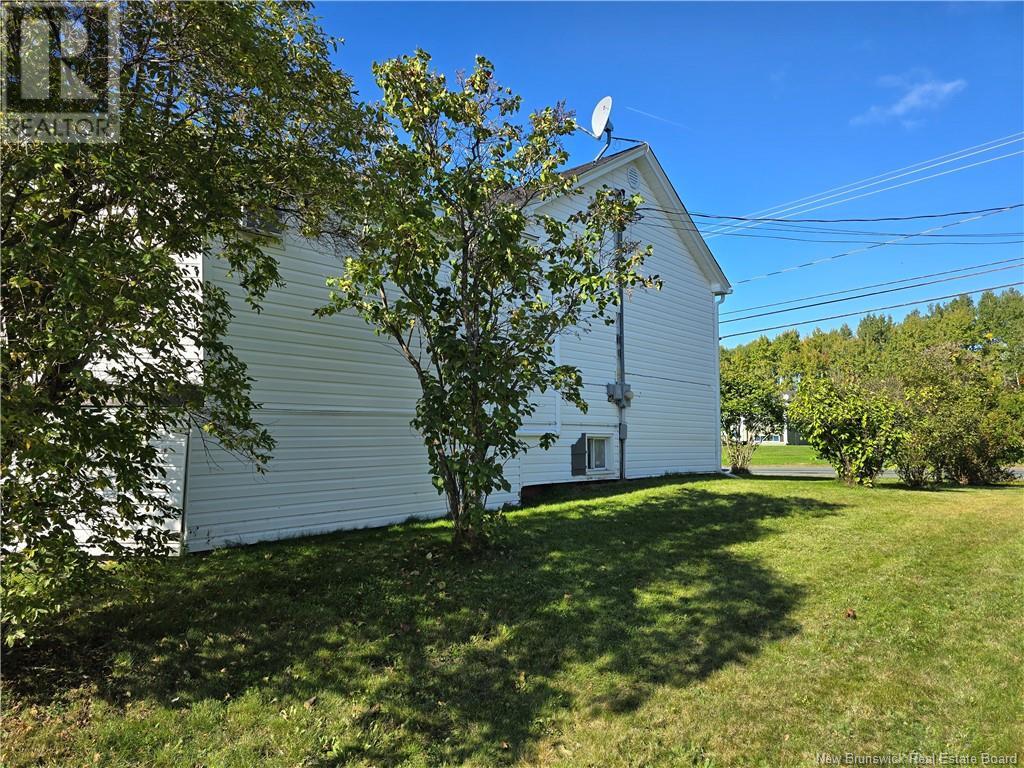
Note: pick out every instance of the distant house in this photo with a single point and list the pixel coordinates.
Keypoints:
(789, 435)
(338, 399)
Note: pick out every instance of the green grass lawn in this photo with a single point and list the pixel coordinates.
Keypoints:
(786, 454)
(677, 622)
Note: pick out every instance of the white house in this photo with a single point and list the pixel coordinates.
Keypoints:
(789, 435)
(338, 399)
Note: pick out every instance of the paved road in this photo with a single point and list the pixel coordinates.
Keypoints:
(783, 470)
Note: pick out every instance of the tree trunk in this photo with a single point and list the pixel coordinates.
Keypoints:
(466, 532)
(847, 474)
(740, 454)
(467, 537)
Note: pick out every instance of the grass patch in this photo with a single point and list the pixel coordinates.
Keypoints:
(673, 622)
(796, 455)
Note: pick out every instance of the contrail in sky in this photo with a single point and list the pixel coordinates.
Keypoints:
(662, 119)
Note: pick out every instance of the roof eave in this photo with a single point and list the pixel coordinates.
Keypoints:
(687, 230)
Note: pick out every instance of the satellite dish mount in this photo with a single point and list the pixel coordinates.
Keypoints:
(601, 124)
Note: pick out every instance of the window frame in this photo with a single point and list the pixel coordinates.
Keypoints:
(606, 439)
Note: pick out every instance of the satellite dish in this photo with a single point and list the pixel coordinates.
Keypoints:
(599, 121)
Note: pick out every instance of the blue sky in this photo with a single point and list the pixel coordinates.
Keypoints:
(752, 105)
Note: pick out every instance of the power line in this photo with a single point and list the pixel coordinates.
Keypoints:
(837, 221)
(854, 242)
(810, 229)
(881, 178)
(869, 311)
(797, 227)
(815, 262)
(887, 175)
(911, 181)
(872, 293)
(872, 285)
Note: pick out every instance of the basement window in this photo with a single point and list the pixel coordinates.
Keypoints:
(597, 452)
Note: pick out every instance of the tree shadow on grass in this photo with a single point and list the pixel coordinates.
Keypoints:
(594, 603)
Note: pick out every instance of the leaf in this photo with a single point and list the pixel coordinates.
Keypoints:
(94, 263)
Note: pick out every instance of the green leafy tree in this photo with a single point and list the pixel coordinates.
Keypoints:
(451, 260)
(752, 399)
(854, 426)
(786, 347)
(111, 341)
(959, 425)
(1001, 321)
(952, 373)
(873, 340)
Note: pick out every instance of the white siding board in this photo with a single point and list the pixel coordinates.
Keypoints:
(670, 360)
(670, 364)
(339, 398)
(370, 469)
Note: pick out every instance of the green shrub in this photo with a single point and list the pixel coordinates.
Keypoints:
(912, 461)
(852, 426)
(961, 425)
(751, 400)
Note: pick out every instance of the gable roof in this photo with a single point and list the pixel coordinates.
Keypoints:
(678, 216)
(585, 167)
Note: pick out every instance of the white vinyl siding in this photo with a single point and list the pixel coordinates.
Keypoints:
(338, 399)
(671, 347)
(671, 360)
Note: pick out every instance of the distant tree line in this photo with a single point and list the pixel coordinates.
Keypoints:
(938, 396)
